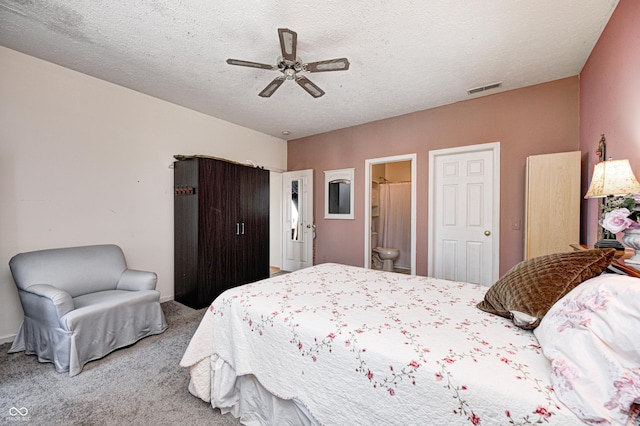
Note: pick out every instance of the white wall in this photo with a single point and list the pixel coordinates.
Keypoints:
(83, 161)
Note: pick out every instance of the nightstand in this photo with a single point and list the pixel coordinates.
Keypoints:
(618, 265)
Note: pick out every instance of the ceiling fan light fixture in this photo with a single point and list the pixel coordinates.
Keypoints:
(290, 65)
(290, 73)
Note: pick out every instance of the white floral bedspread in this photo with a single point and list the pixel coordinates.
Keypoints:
(363, 347)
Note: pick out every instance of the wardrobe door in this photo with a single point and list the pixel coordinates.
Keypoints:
(216, 235)
(254, 216)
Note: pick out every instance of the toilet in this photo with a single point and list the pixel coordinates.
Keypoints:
(384, 256)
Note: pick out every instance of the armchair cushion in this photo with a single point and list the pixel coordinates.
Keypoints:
(81, 303)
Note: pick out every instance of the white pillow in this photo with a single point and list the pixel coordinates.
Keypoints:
(592, 338)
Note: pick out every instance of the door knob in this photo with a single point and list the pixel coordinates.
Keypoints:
(487, 233)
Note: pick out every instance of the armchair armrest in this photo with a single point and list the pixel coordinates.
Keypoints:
(61, 300)
(134, 280)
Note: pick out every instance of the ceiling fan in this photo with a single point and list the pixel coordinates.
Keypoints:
(290, 65)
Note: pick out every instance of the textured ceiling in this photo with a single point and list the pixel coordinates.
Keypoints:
(405, 55)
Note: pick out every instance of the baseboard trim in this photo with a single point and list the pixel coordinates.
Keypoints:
(167, 298)
(7, 339)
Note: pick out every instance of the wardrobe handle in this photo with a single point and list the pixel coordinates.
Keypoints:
(242, 232)
(237, 228)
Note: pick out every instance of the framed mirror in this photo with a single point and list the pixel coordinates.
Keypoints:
(295, 225)
(338, 194)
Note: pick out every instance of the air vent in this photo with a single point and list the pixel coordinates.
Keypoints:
(483, 88)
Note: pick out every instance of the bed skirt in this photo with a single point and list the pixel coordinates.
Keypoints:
(215, 381)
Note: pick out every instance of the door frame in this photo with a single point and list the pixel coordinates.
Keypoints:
(494, 147)
(413, 158)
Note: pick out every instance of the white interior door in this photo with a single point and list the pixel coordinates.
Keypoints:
(298, 226)
(464, 214)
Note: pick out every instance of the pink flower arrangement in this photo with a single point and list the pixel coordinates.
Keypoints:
(622, 214)
(618, 220)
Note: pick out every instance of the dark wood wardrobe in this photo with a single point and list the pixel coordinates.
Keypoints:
(221, 232)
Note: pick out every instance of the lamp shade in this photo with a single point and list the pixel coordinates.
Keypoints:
(613, 177)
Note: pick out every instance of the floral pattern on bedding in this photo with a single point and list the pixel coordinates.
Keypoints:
(358, 346)
(592, 338)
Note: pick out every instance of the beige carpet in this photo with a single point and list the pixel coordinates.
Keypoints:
(138, 385)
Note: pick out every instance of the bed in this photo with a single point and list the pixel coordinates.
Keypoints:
(342, 345)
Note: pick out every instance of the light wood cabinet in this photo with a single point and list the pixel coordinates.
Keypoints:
(552, 204)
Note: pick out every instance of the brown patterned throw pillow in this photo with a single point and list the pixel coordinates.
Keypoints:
(530, 288)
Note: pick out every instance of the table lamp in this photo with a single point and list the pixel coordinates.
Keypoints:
(611, 178)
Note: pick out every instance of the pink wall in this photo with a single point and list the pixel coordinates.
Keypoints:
(610, 100)
(534, 120)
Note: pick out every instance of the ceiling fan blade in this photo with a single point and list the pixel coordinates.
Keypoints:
(250, 64)
(272, 87)
(288, 42)
(341, 64)
(307, 85)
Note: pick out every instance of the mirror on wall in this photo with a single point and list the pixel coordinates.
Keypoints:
(338, 189)
(296, 211)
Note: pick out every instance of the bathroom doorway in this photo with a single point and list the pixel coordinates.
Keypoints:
(390, 209)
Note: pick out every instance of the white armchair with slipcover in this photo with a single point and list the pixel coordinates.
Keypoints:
(81, 303)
